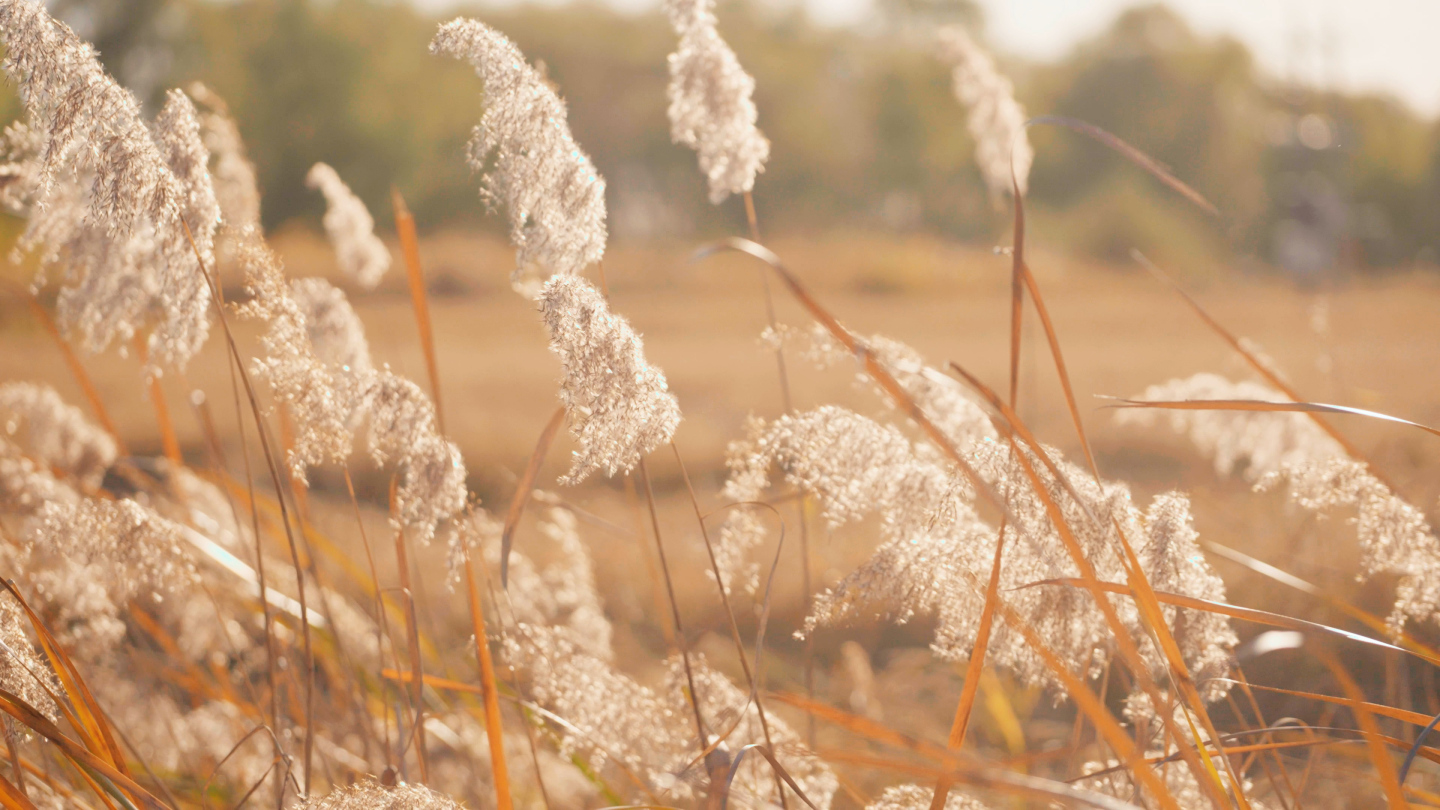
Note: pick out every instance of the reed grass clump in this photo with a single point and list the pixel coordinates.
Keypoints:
(254, 618)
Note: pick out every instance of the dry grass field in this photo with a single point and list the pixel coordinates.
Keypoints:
(1121, 331)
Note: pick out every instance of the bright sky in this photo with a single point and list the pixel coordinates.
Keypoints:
(1386, 45)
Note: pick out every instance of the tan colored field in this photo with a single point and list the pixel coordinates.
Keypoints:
(1121, 330)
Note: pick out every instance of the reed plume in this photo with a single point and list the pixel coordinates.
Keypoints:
(22, 671)
(936, 551)
(997, 121)
(918, 797)
(611, 719)
(531, 163)
(232, 173)
(374, 796)
(111, 196)
(1280, 448)
(89, 558)
(336, 335)
(1252, 443)
(54, 433)
(619, 405)
(941, 398)
(324, 402)
(351, 229)
(561, 596)
(316, 363)
(711, 109)
(26, 486)
(725, 707)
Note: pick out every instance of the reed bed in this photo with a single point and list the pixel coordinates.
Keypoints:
(207, 627)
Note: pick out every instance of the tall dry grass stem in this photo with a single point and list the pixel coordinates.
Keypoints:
(273, 467)
(494, 731)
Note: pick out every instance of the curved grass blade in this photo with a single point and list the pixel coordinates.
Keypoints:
(494, 731)
(774, 764)
(1259, 366)
(1256, 615)
(1130, 153)
(415, 275)
(973, 669)
(1263, 405)
(12, 798)
(1366, 618)
(1415, 749)
(37, 722)
(522, 491)
(1374, 743)
(87, 709)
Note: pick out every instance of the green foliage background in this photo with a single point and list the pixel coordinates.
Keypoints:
(864, 128)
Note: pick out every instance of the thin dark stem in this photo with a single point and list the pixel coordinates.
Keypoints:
(789, 403)
(730, 617)
(680, 640)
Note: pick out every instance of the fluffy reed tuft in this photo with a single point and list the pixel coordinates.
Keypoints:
(619, 405)
(233, 174)
(336, 335)
(22, 672)
(711, 110)
(937, 552)
(917, 797)
(1255, 443)
(54, 433)
(997, 121)
(351, 229)
(532, 165)
(110, 197)
(1275, 448)
(89, 558)
(375, 796)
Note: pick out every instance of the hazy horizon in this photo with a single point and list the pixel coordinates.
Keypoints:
(1378, 46)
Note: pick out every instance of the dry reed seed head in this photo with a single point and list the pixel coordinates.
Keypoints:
(571, 586)
(937, 554)
(553, 195)
(619, 405)
(1256, 443)
(54, 433)
(1172, 563)
(1394, 536)
(997, 121)
(26, 486)
(337, 337)
(723, 705)
(92, 557)
(236, 189)
(173, 735)
(852, 464)
(919, 797)
(361, 254)
(612, 719)
(402, 429)
(110, 194)
(942, 399)
(324, 401)
(711, 109)
(20, 145)
(1289, 448)
(561, 595)
(22, 671)
(432, 486)
(375, 796)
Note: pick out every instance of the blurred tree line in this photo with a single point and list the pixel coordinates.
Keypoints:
(865, 131)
